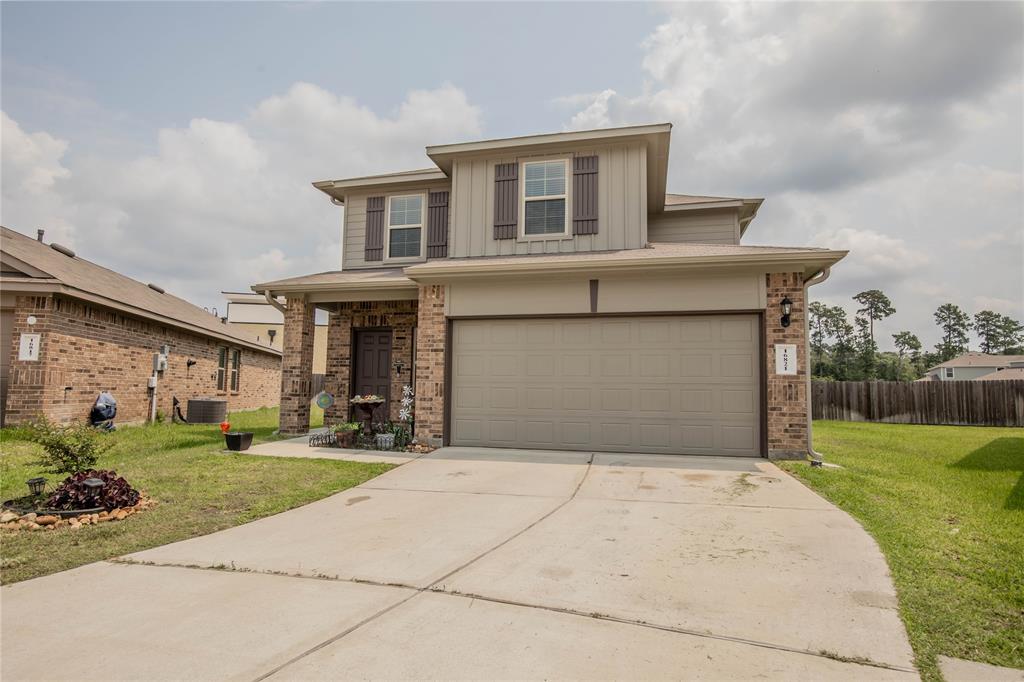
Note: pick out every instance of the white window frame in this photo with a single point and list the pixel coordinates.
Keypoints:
(388, 227)
(566, 233)
(948, 372)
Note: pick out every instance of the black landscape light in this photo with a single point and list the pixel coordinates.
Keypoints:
(93, 485)
(787, 308)
(36, 485)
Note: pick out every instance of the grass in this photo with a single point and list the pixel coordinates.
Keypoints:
(946, 505)
(199, 491)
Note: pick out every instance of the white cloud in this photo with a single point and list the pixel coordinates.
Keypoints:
(222, 204)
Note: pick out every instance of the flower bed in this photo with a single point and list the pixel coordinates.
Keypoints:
(12, 520)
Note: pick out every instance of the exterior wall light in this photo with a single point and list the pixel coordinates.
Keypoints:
(36, 485)
(787, 308)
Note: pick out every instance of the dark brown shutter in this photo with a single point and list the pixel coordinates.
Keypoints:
(506, 200)
(374, 229)
(584, 195)
(437, 225)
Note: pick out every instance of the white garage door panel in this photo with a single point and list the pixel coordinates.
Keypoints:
(685, 385)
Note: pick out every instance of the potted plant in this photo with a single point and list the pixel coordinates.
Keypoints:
(345, 434)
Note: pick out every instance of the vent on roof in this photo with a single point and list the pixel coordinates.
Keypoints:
(62, 249)
(154, 287)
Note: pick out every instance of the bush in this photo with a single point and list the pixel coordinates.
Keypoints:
(72, 493)
(67, 449)
(346, 426)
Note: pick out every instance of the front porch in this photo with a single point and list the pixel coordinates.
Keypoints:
(384, 333)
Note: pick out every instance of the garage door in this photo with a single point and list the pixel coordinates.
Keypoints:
(672, 385)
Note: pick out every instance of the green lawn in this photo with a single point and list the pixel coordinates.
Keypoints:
(199, 491)
(946, 505)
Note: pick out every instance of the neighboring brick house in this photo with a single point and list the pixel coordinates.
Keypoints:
(71, 329)
(545, 292)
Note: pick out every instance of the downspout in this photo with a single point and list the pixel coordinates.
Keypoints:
(274, 302)
(817, 278)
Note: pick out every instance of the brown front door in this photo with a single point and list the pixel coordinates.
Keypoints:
(372, 367)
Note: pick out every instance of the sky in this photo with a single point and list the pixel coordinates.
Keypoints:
(176, 142)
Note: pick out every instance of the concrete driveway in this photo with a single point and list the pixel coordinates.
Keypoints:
(472, 563)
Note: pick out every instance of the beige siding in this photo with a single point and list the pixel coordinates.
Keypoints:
(622, 208)
(615, 294)
(706, 227)
(354, 230)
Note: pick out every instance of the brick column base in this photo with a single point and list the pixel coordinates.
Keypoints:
(787, 394)
(431, 340)
(297, 367)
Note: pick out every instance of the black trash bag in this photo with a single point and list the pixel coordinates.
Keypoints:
(103, 412)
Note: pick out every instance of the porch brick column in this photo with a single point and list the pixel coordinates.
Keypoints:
(431, 338)
(337, 380)
(787, 394)
(297, 367)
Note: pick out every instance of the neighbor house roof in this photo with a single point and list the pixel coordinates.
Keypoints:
(32, 266)
(979, 360)
(1008, 374)
(673, 255)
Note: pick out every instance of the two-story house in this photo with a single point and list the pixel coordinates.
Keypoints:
(546, 292)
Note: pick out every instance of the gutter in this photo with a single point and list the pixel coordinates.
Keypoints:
(274, 302)
(816, 457)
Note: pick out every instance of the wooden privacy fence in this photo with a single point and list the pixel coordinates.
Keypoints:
(968, 403)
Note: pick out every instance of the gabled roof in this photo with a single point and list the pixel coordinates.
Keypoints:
(657, 137)
(979, 360)
(31, 265)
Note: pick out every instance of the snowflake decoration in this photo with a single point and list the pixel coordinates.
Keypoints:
(404, 414)
(407, 391)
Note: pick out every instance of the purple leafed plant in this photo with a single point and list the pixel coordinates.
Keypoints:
(72, 493)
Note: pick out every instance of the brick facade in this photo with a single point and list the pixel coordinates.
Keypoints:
(297, 367)
(86, 349)
(400, 317)
(787, 395)
(432, 337)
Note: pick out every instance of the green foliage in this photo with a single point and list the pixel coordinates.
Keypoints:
(997, 332)
(874, 306)
(67, 449)
(346, 426)
(955, 325)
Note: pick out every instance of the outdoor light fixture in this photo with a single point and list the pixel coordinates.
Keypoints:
(271, 333)
(399, 366)
(93, 485)
(36, 485)
(787, 307)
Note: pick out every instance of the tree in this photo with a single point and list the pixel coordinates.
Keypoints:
(875, 306)
(819, 333)
(906, 344)
(867, 349)
(1011, 335)
(955, 324)
(844, 349)
(987, 327)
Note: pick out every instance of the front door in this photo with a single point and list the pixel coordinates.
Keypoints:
(372, 367)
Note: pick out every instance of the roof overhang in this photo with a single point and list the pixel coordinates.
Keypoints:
(656, 138)
(810, 263)
(52, 286)
(342, 289)
(338, 188)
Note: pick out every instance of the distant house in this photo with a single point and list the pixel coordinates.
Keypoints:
(254, 314)
(71, 329)
(971, 366)
(1012, 372)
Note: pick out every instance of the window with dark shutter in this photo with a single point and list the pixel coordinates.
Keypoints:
(584, 195)
(506, 200)
(437, 225)
(222, 368)
(374, 249)
(236, 364)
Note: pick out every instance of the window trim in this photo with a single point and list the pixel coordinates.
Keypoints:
(222, 369)
(566, 233)
(234, 384)
(949, 372)
(388, 227)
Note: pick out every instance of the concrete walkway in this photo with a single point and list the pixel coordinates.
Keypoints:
(299, 447)
(491, 564)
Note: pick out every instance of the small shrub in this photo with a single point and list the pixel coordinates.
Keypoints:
(67, 449)
(346, 426)
(72, 493)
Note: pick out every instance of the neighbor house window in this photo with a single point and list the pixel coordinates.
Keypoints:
(544, 198)
(222, 368)
(405, 226)
(949, 372)
(236, 362)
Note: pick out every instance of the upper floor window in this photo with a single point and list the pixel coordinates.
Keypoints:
(949, 372)
(545, 198)
(405, 226)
